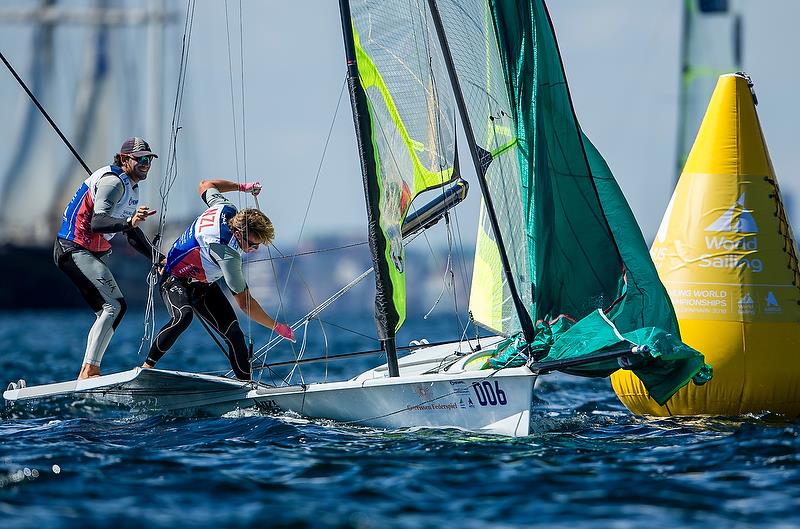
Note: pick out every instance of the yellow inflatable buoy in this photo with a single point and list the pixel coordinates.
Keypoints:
(726, 255)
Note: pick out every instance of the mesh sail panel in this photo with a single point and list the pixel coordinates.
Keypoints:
(412, 122)
(470, 32)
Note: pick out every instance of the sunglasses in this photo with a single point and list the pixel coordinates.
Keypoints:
(142, 160)
(250, 244)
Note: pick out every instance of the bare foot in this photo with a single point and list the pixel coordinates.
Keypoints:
(89, 371)
(148, 366)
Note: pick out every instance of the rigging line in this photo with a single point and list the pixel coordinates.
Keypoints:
(357, 353)
(170, 175)
(44, 113)
(241, 71)
(303, 322)
(233, 97)
(274, 340)
(316, 179)
(310, 252)
(373, 338)
(282, 290)
(234, 121)
(314, 313)
(244, 138)
(305, 284)
(452, 275)
(166, 184)
(462, 261)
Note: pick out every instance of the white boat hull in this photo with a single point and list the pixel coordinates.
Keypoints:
(429, 401)
(478, 400)
(438, 387)
(150, 389)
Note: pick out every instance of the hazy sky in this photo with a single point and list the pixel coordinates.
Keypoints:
(621, 58)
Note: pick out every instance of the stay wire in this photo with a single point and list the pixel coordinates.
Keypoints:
(235, 124)
(170, 176)
(316, 179)
(309, 252)
(282, 290)
(314, 314)
(233, 95)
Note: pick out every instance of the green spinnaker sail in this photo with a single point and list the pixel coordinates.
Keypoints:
(411, 122)
(576, 253)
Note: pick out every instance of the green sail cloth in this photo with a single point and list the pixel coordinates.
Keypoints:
(593, 284)
(668, 365)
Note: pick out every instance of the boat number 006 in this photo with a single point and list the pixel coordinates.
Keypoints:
(488, 394)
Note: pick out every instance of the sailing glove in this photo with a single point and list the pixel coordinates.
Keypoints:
(250, 187)
(285, 331)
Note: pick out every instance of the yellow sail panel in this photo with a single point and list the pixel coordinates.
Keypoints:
(728, 259)
(487, 291)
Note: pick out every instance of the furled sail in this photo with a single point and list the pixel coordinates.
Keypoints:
(576, 255)
(410, 126)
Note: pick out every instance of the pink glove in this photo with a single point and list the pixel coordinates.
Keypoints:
(250, 187)
(285, 331)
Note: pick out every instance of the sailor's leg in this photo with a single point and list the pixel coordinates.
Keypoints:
(100, 290)
(176, 298)
(100, 335)
(215, 308)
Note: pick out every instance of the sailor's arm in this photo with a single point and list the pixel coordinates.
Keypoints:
(253, 309)
(139, 241)
(230, 262)
(110, 190)
(223, 186)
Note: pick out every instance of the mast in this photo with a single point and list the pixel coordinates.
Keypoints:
(481, 159)
(377, 243)
(711, 45)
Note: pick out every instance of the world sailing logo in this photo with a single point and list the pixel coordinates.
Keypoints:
(746, 304)
(734, 241)
(736, 219)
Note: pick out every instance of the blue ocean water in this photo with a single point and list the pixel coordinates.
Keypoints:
(588, 464)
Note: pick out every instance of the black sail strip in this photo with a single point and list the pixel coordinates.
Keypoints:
(386, 316)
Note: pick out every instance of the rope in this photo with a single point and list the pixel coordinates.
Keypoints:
(170, 175)
(310, 252)
(282, 290)
(274, 340)
(314, 186)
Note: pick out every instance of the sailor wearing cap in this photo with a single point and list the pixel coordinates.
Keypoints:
(105, 204)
